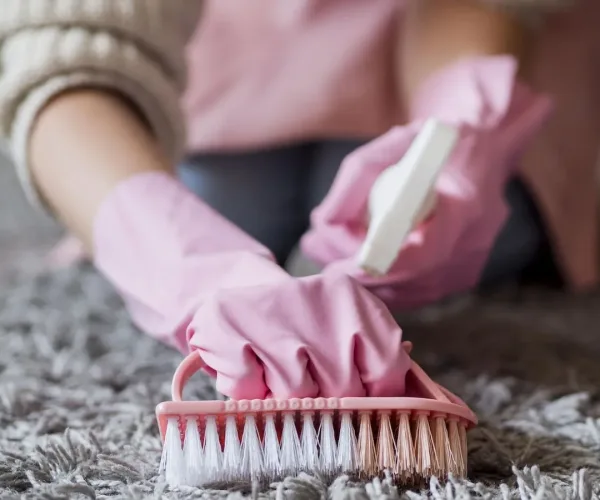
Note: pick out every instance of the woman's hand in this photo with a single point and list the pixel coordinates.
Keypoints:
(319, 336)
(495, 115)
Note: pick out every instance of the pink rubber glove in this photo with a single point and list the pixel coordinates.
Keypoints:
(67, 252)
(446, 253)
(309, 337)
(188, 275)
(166, 251)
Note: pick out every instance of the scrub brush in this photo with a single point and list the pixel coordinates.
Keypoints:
(411, 438)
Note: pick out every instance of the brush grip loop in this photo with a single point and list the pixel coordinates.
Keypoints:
(427, 385)
(191, 364)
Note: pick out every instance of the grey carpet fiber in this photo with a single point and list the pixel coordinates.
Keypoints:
(78, 387)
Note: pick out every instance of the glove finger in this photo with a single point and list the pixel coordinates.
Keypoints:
(239, 374)
(347, 198)
(288, 375)
(300, 357)
(215, 333)
(368, 340)
(337, 377)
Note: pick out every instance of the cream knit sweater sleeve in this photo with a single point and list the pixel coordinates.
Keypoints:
(135, 47)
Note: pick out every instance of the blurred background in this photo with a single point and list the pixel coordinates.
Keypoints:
(25, 233)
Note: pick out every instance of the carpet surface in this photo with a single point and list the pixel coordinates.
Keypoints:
(78, 388)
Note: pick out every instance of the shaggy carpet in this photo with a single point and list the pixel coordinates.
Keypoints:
(78, 388)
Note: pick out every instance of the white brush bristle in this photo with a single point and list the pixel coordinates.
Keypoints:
(291, 449)
(192, 453)
(252, 452)
(173, 461)
(272, 452)
(274, 445)
(213, 456)
(328, 444)
(348, 447)
(232, 455)
(310, 444)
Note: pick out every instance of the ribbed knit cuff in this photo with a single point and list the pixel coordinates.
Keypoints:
(165, 125)
(135, 48)
(74, 59)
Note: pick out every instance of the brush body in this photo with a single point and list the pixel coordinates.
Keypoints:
(238, 441)
(410, 438)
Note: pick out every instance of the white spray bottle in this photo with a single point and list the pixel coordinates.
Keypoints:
(402, 196)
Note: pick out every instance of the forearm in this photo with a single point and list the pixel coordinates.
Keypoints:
(436, 33)
(68, 144)
(83, 144)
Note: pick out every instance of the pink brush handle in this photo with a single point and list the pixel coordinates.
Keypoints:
(193, 363)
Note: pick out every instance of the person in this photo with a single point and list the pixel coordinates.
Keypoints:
(189, 146)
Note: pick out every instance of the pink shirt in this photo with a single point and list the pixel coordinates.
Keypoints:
(267, 72)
